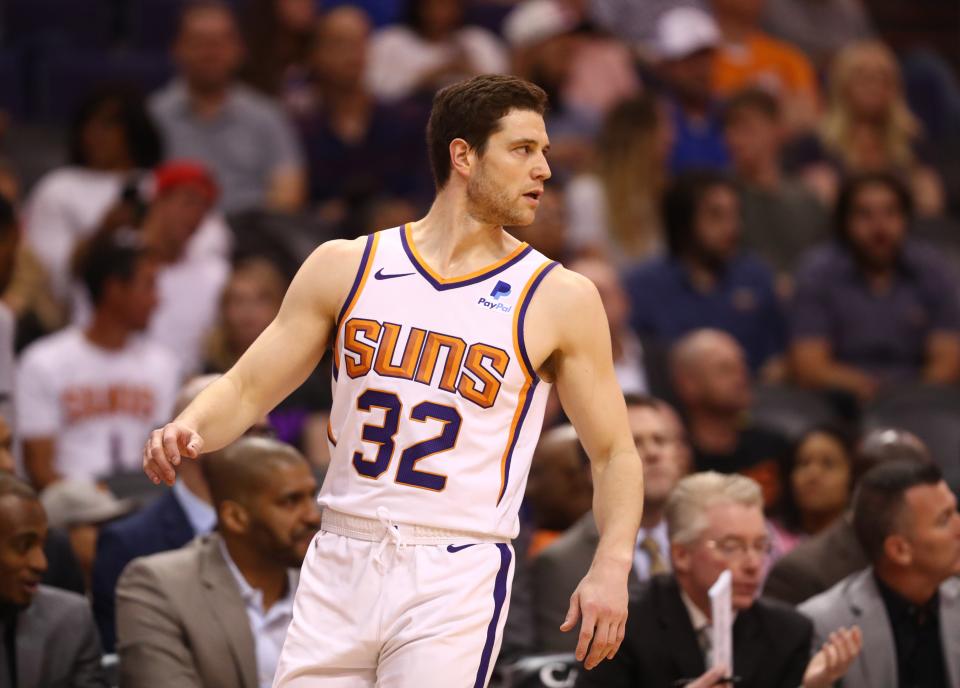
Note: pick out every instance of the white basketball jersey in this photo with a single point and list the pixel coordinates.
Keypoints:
(436, 407)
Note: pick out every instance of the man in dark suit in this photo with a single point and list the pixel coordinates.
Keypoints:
(828, 557)
(48, 635)
(715, 523)
(558, 569)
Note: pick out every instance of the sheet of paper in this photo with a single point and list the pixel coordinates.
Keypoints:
(721, 606)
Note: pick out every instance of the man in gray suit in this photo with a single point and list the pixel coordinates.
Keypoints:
(49, 638)
(215, 613)
(908, 602)
(559, 568)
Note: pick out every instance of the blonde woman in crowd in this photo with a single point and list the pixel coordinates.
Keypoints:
(615, 210)
(868, 127)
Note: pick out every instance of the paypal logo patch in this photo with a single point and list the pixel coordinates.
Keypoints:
(502, 289)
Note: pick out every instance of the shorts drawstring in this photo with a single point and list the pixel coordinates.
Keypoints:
(392, 535)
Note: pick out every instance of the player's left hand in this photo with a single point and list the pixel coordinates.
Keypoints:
(601, 602)
(832, 661)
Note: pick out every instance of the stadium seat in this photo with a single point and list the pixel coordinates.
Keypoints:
(789, 410)
(66, 79)
(932, 413)
(88, 23)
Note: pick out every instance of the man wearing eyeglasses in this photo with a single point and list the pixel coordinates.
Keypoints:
(715, 523)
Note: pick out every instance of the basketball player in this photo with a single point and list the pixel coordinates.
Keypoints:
(447, 334)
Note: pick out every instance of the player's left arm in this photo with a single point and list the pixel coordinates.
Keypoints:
(581, 364)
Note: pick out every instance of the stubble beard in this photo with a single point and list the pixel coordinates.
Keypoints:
(491, 204)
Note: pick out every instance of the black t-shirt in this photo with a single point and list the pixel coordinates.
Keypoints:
(760, 454)
(916, 634)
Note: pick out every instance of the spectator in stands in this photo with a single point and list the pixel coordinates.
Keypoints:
(357, 146)
(278, 34)
(868, 127)
(48, 634)
(559, 490)
(81, 508)
(113, 142)
(818, 482)
(687, 40)
(824, 559)
(908, 601)
(206, 114)
(215, 613)
(86, 398)
(170, 522)
(615, 209)
(431, 49)
(705, 280)
(781, 217)
(189, 284)
(63, 571)
(875, 307)
(627, 350)
(9, 241)
(634, 22)
(713, 385)
(750, 57)
(716, 523)
(820, 28)
(250, 302)
(559, 568)
(598, 71)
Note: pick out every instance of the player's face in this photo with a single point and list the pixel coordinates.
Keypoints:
(506, 182)
(284, 515)
(23, 530)
(735, 539)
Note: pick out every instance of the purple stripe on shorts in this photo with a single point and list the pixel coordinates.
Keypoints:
(499, 597)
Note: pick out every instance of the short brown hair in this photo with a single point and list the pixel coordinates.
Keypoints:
(471, 110)
(755, 99)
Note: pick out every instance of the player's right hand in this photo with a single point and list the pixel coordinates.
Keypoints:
(165, 447)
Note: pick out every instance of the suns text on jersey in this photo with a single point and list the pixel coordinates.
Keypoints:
(475, 371)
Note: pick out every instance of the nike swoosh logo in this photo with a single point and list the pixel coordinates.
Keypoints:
(380, 276)
(453, 549)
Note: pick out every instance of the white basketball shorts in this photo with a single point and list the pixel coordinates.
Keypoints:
(392, 606)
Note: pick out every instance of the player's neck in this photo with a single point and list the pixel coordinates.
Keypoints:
(107, 332)
(454, 241)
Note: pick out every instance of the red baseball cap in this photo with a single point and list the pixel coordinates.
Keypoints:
(176, 173)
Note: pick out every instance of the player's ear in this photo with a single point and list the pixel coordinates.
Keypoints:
(461, 157)
(233, 517)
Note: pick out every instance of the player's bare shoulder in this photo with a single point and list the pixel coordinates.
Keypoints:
(325, 278)
(565, 310)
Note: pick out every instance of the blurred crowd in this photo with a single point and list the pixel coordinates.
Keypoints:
(764, 192)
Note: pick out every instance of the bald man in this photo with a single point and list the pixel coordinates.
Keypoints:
(713, 385)
(828, 557)
(171, 521)
(215, 613)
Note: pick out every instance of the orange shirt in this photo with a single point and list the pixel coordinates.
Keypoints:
(765, 62)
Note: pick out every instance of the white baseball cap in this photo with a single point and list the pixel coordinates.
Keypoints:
(81, 502)
(683, 31)
(534, 21)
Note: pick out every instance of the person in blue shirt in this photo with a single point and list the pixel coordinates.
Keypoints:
(704, 280)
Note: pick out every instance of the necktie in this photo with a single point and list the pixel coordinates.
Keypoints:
(657, 563)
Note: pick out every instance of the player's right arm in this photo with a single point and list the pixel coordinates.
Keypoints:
(278, 362)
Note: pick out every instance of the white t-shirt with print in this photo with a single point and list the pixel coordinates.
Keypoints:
(99, 405)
